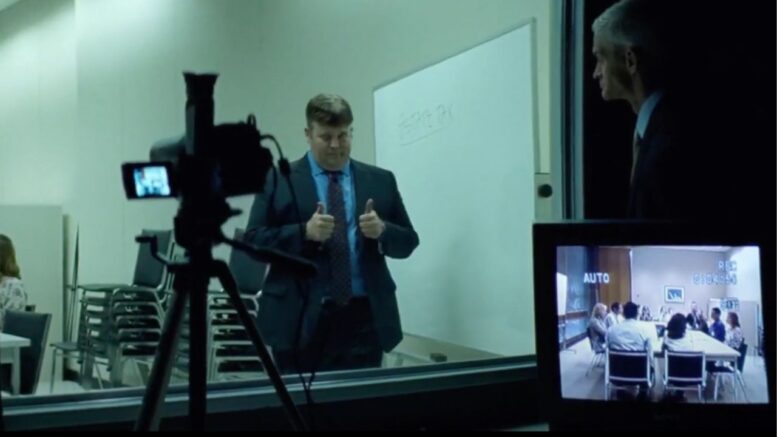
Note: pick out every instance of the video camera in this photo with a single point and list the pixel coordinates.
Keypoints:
(208, 162)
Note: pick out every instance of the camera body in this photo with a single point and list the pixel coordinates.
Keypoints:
(208, 162)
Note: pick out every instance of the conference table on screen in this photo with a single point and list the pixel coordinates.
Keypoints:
(713, 349)
(10, 346)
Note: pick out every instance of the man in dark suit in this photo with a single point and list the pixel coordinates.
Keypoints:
(348, 218)
(629, 60)
(684, 152)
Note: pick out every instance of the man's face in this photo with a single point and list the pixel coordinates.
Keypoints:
(611, 71)
(330, 145)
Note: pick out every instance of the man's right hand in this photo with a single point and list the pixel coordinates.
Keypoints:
(320, 226)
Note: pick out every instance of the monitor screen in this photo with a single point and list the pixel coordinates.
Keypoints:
(152, 181)
(665, 325)
(675, 323)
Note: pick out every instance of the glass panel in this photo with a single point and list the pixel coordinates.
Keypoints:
(87, 86)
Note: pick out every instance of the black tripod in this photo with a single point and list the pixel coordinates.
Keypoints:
(191, 282)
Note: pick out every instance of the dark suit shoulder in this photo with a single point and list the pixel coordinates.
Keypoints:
(363, 166)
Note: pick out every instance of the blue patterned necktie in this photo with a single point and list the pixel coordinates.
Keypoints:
(339, 252)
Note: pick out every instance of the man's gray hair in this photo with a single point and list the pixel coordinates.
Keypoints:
(639, 24)
(632, 23)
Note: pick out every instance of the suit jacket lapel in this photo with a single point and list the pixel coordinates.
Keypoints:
(362, 194)
(304, 188)
(360, 185)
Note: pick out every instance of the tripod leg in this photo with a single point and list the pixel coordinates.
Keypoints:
(163, 362)
(228, 282)
(198, 342)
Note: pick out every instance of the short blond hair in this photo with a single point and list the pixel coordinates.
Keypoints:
(329, 110)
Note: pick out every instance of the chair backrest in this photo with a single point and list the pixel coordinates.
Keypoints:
(149, 272)
(35, 327)
(684, 367)
(742, 354)
(248, 272)
(596, 348)
(628, 366)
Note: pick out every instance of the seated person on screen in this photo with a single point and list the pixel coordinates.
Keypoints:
(701, 324)
(614, 317)
(644, 313)
(12, 294)
(694, 316)
(597, 329)
(665, 314)
(675, 339)
(631, 335)
(717, 329)
(734, 337)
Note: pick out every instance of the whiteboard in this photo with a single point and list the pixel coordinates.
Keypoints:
(460, 138)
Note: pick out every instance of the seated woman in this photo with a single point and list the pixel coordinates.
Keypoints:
(734, 337)
(644, 313)
(597, 329)
(675, 339)
(12, 294)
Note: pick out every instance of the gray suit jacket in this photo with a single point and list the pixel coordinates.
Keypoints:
(274, 223)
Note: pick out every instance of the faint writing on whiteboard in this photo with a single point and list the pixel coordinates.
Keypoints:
(420, 124)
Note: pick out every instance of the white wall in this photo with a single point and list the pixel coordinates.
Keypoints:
(87, 85)
(748, 286)
(37, 102)
(654, 268)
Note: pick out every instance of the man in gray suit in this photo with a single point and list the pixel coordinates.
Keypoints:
(348, 218)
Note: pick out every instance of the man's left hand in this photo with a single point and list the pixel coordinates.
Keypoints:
(370, 224)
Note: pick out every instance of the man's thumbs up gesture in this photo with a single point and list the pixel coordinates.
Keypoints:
(320, 226)
(370, 224)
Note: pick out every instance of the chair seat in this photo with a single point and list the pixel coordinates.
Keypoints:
(66, 346)
(683, 383)
(101, 287)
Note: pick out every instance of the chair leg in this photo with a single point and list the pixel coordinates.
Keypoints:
(741, 380)
(715, 391)
(140, 375)
(53, 371)
(606, 391)
(99, 375)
